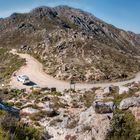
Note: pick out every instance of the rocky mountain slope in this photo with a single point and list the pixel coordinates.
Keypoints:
(73, 44)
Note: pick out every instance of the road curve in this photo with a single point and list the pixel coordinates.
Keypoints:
(34, 70)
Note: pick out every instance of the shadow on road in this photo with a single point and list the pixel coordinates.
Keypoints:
(31, 84)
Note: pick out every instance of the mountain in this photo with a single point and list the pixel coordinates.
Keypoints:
(73, 44)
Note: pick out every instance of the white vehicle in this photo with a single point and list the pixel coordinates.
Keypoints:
(23, 79)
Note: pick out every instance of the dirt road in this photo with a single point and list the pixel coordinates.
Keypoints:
(34, 70)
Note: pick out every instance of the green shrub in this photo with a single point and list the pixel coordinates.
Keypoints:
(13, 129)
(18, 104)
(9, 63)
(123, 126)
(119, 97)
(54, 93)
(9, 103)
(88, 98)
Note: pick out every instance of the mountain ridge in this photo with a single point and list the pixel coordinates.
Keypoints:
(72, 43)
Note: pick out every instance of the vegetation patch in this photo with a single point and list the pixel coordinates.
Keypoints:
(124, 127)
(88, 98)
(11, 128)
(119, 97)
(6, 94)
(9, 63)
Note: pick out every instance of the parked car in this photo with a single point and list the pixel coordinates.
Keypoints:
(24, 79)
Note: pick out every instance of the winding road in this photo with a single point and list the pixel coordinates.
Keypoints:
(34, 70)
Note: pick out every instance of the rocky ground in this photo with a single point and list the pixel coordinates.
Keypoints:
(75, 115)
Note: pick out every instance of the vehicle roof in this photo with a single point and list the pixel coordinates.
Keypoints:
(24, 76)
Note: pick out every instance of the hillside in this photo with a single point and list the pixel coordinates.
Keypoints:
(73, 44)
(8, 65)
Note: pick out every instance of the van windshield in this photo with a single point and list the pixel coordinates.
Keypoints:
(25, 77)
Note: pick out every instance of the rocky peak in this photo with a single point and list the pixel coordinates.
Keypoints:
(44, 11)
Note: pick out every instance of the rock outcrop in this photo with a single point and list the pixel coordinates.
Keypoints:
(89, 121)
(130, 102)
(104, 107)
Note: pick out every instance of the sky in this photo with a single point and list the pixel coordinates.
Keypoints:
(124, 14)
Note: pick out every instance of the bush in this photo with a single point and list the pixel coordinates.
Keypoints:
(16, 130)
(9, 103)
(54, 93)
(123, 126)
(118, 98)
(9, 64)
(88, 98)
(18, 104)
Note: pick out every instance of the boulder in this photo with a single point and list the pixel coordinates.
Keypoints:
(129, 102)
(50, 111)
(123, 89)
(29, 110)
(94, 125)
(103, 107)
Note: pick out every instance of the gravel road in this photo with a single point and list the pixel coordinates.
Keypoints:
(34, 70)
